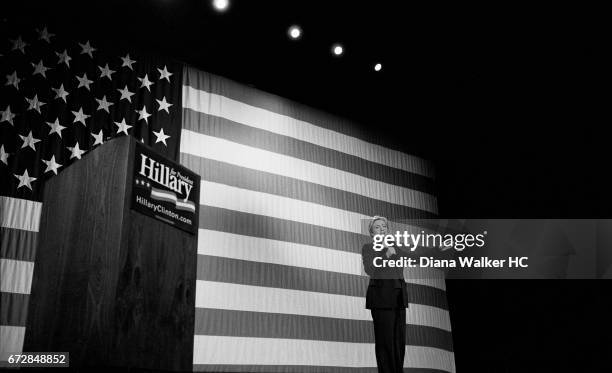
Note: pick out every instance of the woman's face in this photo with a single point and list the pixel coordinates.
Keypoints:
(379, 227)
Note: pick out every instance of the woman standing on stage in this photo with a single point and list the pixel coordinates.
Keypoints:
(387, 299)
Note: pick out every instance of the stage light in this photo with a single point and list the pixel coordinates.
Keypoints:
(377, 67)
(221, 5)
(337, 49)
(295, 32)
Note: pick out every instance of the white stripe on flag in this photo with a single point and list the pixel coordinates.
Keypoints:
(20, 214)
(230, 152)
(221, 295)
(12, 338)
(236, 111)
(264, 250)
(265, 351)
(16, 276)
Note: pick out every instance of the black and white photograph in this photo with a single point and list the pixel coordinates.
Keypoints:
(304, 187)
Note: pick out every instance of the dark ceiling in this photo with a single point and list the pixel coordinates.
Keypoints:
(503, 98)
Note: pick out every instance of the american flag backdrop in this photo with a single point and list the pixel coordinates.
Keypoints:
(285, 192)
(284, 197)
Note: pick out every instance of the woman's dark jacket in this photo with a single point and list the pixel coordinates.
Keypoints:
(386, 283)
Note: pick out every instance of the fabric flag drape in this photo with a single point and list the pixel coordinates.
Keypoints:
(60, 99)
(286, 191)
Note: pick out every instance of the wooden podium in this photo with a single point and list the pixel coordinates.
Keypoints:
(112, 286)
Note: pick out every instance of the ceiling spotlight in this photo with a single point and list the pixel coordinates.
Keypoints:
(221, 5)
(337, 49)
(295, 32)
(377, 67)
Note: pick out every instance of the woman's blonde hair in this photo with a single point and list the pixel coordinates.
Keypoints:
(374, 219)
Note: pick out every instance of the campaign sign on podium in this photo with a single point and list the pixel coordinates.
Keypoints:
(165, 190)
